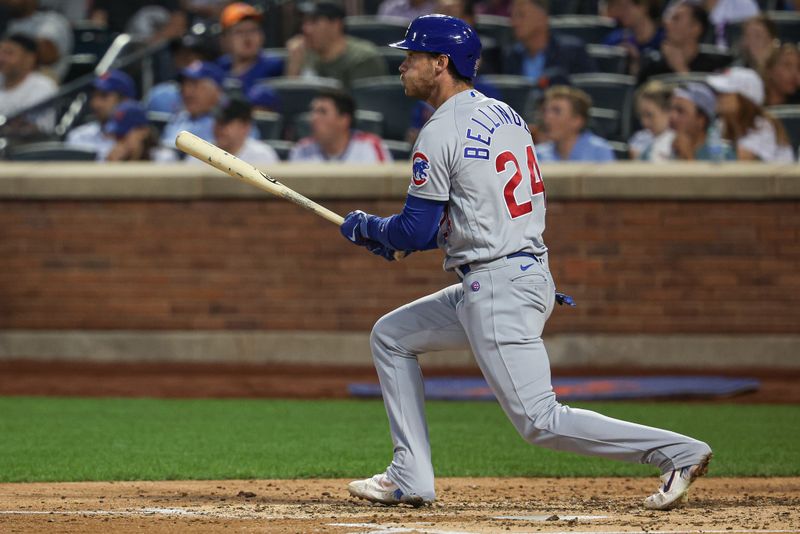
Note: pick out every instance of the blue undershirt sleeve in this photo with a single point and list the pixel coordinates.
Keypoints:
(415, 228)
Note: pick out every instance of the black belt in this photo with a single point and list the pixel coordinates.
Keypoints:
(464, 269)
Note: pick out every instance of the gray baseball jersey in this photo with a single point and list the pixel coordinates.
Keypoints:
(476, 153)
(487, 173)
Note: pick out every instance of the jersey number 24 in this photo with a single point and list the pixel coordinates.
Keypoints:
(509, 189)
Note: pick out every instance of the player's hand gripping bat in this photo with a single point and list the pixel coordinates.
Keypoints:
(241, 170)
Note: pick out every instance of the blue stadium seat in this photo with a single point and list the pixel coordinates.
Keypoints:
(496, 28)
(269, 124)
(393, 56)
(514, 90)
(591, 29)
(613, 59)
(606, 123)
(790, 117)
(788, 23)
(385, 94)
(610, 91)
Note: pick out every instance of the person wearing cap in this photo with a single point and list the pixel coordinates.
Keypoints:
(110, 89)
(323, 49)
(333, 137)
(685, 24)
(233, 122)
(21, 86)
(754, 133)
(566, 116)
(165, 97)
(691, 117)
(134, 139)
(246, 63)
(201, 90)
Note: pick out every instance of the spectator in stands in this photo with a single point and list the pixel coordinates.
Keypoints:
(134, 138)
(151, 20)
(50, 30)
(781, 75)
(246, 62)
(110, 89)
(165, 97)
(546, 58)
(333, 137)
(21, 86)
(754, 133)
(201, 89)
(232, 124)
(691, 116)
(407, 9)
(654, 141)
(640, 31)
(566, 116)
(324, 50)
(685, 25)
(759, 39)
(722, 13)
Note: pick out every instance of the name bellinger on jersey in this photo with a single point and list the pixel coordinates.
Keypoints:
(469, 154)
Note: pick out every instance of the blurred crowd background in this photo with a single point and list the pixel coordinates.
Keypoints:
(596, 80)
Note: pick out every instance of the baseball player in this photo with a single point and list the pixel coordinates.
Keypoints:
(477, 193)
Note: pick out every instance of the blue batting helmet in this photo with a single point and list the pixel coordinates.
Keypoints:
(446, 35)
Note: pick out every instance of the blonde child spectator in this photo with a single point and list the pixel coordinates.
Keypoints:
(654, 141)
(754, 133)
(566, 117)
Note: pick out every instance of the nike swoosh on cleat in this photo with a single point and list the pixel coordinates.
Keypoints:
(526, 267)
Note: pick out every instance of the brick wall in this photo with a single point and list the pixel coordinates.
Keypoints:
(655, 266)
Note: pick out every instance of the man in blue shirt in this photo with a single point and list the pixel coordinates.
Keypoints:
(566, 114)
(539, 54)
(247, 63)
(201, 90)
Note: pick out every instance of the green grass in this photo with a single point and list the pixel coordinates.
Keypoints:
(57, 439)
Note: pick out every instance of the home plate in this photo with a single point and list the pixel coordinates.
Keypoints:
(551, 517)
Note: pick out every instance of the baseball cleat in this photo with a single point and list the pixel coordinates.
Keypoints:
(674, 490)
(382, 490)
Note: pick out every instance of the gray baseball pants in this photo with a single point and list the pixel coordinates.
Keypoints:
(499, 310)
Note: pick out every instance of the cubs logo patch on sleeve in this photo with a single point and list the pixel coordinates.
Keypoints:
(419, 169)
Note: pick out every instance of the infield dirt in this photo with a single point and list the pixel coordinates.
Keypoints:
(464, 505)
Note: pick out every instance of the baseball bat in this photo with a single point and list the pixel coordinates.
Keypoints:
(241, 170)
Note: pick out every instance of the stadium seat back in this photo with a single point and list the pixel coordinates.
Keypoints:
(591, 29)
(50, 151)
(610, 91)
(385, 95)
(612, 59)
(790, 117)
